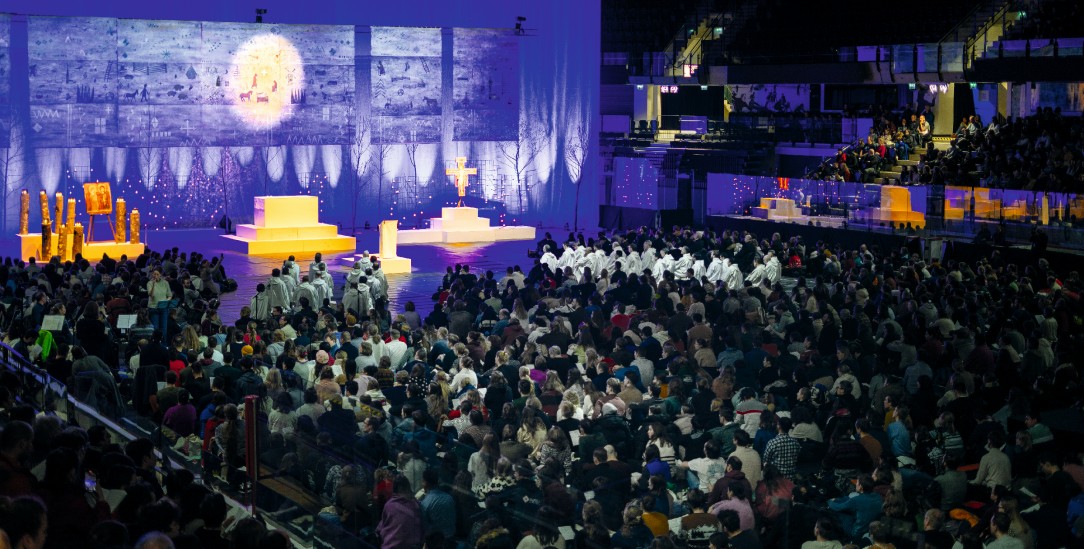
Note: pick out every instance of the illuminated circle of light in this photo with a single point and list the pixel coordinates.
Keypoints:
(266, 73)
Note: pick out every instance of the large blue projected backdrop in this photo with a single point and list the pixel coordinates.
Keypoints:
(191, 119)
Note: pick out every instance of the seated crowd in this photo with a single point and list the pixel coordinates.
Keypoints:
(638, 389)
(1042, 152)
(886, 144)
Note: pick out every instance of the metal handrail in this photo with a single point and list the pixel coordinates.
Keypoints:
(998, 17)
(953, 35)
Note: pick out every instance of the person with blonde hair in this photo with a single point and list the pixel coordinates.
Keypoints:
(552, 394)
(273, 383)
(192, 341)
(532, 430)
(633, 532)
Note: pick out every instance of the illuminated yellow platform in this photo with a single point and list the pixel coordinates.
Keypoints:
(895, 208)
(958, 203)
(30, 246)
(288, 225)
(777, 209)
(462, 225)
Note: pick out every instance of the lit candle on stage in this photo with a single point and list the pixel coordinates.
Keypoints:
(119, 232)
(24, 212)
(62, 242)
(71, 214)
(77, 240)
(58, 212)
(46, 235)
(45, 209)
(134, 229)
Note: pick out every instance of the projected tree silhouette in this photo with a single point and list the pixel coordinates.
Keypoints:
(519, 155)
(361, 159)
(577, 141)
(13, 173)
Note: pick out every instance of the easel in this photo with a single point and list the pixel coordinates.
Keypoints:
(90, 225)
(98, 198)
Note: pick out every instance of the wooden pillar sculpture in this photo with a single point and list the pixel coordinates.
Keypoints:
(46, 235)
(58, 212)
(119, 235)
(24, 212)
(77, 240)
(71, 215)
(134, 228)
(45, 211)
(62, 242)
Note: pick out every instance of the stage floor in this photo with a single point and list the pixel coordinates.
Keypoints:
(429, 262)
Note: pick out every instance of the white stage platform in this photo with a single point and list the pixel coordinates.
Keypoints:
(462, 225)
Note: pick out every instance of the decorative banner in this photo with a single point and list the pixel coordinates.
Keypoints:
(407, 88)
(485, 85)
(119, 231)
(135, 226)
(77, 240)
(24, 212)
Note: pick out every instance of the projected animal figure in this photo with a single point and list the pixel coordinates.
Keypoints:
(245, 96)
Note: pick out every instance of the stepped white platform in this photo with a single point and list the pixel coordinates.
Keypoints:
(288, 225)
(462, 225)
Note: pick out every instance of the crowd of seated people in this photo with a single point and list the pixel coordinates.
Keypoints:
(1042, 152)
(886, 144)
(643, 389)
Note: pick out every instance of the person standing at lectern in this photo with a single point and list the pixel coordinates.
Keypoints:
(157, 291)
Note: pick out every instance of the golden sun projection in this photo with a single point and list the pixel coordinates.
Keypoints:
(267, 81)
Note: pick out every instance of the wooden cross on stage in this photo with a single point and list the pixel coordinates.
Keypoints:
(461, 173)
